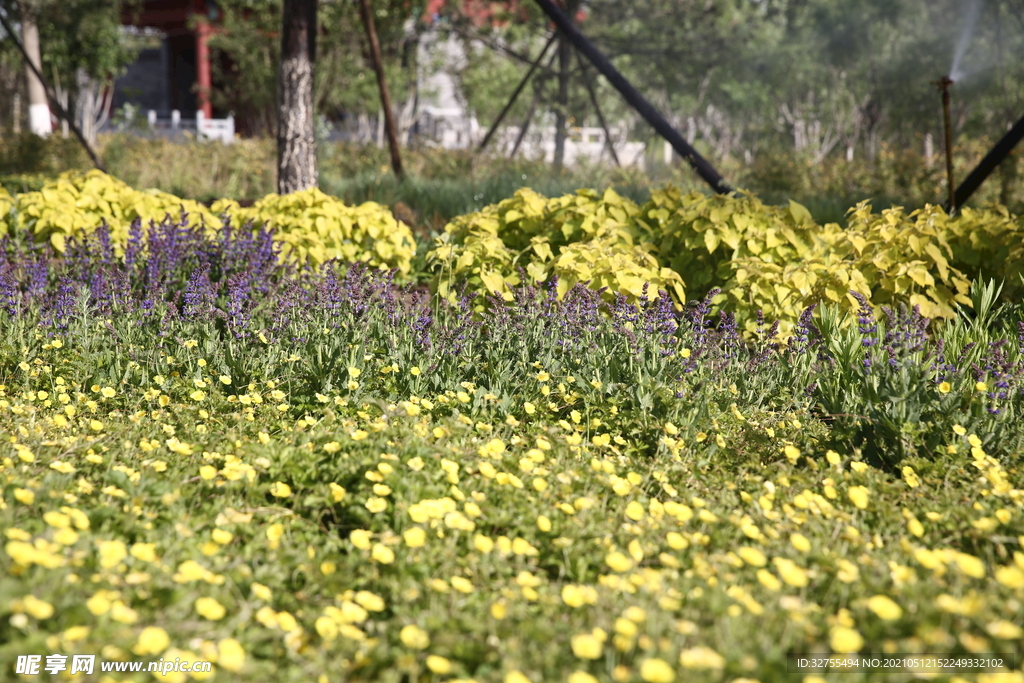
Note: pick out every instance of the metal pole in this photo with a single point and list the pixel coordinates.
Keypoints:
(385, 96)
(600, 114)
(53, 97)
(526, 124)
(944, 84)
(635, 99)
(515, 93)
(989, 162)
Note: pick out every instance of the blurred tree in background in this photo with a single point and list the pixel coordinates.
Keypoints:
(83, 49)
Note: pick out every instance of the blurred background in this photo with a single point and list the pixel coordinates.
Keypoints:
(827, 102)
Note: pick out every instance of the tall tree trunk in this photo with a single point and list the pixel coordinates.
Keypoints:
(38, 108)
(296, 143)
(385, 96)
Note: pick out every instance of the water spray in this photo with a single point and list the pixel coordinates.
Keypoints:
(943, 84)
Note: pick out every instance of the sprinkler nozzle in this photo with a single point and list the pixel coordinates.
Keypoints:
(943, 83)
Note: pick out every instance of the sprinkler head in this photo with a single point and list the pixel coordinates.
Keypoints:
(943, 83)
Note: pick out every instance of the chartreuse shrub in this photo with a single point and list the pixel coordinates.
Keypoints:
(316, 227)
(312, 478)
(77, 202)
(311, 226)
(582, 237)
(768, 259)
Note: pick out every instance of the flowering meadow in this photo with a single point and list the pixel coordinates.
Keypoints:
(316, 473)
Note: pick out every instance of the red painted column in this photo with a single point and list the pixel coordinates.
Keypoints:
(203, 79)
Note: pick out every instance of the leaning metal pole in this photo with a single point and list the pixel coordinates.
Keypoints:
(515, 93)
(634, 98)
(52, 96)
(943, 84)
(989, 162)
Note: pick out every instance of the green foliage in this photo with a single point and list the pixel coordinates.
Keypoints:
(78, 202)
(312, 226)
(772, 259)
(586, 236)
(316, 227)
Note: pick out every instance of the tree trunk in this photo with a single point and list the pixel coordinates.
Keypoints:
(92, 100)
(385, 96)
(296, 144)
(38, 108)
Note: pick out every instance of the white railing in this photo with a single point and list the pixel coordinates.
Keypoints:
(210, 129)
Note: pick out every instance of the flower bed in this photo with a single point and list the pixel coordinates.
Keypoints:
(304, 474)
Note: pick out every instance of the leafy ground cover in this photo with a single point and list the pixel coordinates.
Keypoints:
(212, 452)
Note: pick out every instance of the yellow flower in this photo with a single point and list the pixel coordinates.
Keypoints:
(516, 676)
(36, 608)
(586, 646)
(581, 677)
(768, 580)
(701, 657)
(376, 505)
(354, 372)
(859, 496)
(221, 536)
(111, 553)
(1005, 630)
(370, 601)
(910, 476)
(1010, 576)
(800, 542)
(618, 562)
(327, 628)
(262, 592)
(415, 537)
(970, 565)
(337, 492)
(438, 664)
(945, 387)
(958, 430)
(108, 392)
(657, 671)
(24, 496)
(359, 434)
(230, 655)
(382, 553)
(483, 544)
(635, 511)
(462, 585)
(274, 533)
(848, 571)
(210, 609)
(884, 607)
(280, 490)
(414, 637)
(153, 640)
(792, 453)
(980, 386)
(752, 556)
(790, 572)
(845, 640)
